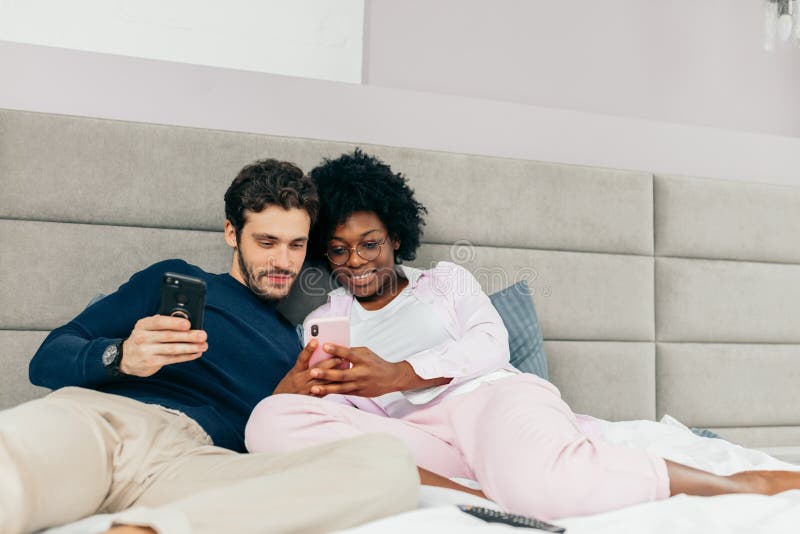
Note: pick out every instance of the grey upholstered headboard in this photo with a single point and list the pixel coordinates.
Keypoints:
(656, 294)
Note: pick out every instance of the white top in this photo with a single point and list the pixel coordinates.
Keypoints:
(463, 338)
(406, 326)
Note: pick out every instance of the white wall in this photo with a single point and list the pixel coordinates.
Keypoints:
(98, 85)
(695, 62)
(310, 38)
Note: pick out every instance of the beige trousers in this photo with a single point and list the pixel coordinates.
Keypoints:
(78, 452)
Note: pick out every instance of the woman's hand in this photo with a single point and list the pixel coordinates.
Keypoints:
(299, 379)
(370, 375)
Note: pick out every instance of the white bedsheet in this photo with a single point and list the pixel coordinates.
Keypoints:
(678, 515)
(682, 514)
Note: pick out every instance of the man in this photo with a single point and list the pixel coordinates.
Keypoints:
(150, 416)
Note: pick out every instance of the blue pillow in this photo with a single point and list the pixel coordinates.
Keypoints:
(96, 298)
(705, 433)
(515, 306)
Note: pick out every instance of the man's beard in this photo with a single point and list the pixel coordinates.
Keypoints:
(252, 277)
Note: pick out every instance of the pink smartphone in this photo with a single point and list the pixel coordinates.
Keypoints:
(334, 330)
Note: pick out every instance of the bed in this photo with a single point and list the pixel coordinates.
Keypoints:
(657, 295)
(680, 514)
(684, 514)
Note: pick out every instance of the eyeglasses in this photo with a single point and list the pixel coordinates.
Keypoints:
(366, 250)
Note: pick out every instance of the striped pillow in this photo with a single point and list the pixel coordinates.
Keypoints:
(515, 306)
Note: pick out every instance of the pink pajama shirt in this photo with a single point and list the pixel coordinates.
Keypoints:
(513, 434)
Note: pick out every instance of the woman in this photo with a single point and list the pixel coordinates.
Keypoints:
(430, 365)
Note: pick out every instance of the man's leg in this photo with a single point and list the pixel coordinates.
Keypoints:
(55, 466)
(319, 489)
(77, 452)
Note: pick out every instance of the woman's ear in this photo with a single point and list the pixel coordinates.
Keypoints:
(396, 242)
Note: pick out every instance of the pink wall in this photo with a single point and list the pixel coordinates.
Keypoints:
(684, 61)
(71, 82)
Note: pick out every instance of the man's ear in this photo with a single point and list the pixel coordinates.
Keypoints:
(230, 235)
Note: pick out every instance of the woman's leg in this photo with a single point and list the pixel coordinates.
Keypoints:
(286, 422)
(691, 481)
(428, 478)
(529, 455)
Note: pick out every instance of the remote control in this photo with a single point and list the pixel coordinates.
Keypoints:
(494, 516)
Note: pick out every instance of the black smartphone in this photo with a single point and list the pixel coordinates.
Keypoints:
(183, 296)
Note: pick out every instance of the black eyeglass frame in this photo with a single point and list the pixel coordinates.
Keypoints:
(350, 251)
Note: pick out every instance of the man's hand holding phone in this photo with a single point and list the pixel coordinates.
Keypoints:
(160, 340)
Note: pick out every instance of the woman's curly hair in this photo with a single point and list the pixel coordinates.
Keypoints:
(360, 182)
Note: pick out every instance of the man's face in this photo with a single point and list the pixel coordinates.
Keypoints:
(270, 250)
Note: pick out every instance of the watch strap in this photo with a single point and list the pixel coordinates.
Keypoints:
(114, 367)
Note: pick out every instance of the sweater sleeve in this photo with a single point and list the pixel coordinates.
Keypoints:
(72, 354)
(483, 344)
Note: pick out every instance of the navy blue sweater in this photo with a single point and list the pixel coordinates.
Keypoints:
(250, 348)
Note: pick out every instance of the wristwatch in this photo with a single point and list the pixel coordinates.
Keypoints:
(112, 357)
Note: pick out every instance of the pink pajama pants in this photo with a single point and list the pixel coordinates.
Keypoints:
(515, 436)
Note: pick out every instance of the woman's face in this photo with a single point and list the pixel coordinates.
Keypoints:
(370, 273)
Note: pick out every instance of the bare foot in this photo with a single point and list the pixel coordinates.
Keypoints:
(128, 529)
(767, 482)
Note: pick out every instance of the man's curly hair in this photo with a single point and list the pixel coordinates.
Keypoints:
(360, 182)
(269, 182)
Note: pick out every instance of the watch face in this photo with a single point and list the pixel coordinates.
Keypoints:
(109, 355)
